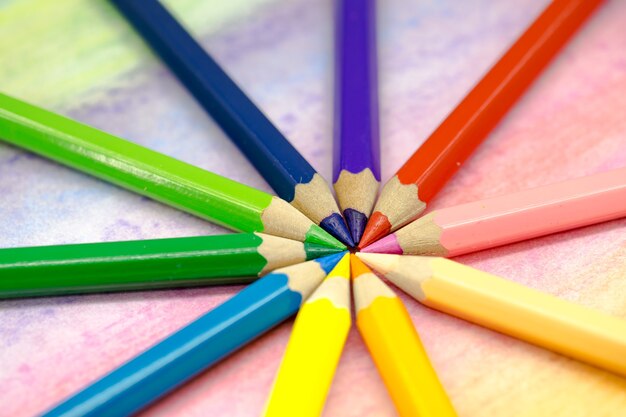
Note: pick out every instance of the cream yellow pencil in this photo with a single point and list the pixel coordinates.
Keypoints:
(570, 329)
(396, 348)
(314, 349)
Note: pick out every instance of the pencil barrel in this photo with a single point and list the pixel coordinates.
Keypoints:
(280, 164)
(184, 354)
(570, 329)
(482, 109)
(309, 364)
(146, 264)
(402, 361)
(131, 166)
(356, 143)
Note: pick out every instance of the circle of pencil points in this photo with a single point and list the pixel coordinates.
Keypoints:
(356, 183)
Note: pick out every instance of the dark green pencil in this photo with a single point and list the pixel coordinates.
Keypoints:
(147, 264)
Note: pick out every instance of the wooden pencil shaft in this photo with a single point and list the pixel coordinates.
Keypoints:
(402, 360)
(396, 348)
(541, 319)
(282, 166)
(132, 166)
(356, 167)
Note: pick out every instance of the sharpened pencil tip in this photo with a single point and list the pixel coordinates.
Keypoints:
(336, 226)
(342, 269)
(328, 262)
(314, 251)
(357, 267)
(389, 244)
(356, 223)
(377, 227)
(319, 236)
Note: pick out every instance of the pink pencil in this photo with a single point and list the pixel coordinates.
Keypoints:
(510, 218)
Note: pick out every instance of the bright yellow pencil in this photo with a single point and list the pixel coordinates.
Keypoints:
(314, 349)
(396, 348)
(510, 308)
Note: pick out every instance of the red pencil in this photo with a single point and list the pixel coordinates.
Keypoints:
(405, 196)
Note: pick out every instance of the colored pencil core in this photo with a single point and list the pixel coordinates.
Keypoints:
(334, 224)
(377, 227)
(317, 235)
(356, 222)
(388, 244)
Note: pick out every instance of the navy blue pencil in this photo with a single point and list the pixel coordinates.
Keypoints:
(282, 166)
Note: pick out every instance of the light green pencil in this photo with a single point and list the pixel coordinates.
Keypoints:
(165, 179)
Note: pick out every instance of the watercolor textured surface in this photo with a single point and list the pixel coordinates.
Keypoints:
(82, 59)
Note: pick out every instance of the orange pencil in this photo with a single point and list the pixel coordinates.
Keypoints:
(510, 218)
(405, 196)
(395, 347)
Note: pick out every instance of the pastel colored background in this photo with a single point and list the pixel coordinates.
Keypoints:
(80, 58)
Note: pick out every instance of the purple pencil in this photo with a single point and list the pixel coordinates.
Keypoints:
(356, 175)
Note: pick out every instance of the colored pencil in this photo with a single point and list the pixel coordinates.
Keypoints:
(510, 218)
(530, 315)
(171, 362)
(147, 264)
(282, 166)
(314, 348)
(356, 174)
(405, 196)
(186, 187)
(395, 346)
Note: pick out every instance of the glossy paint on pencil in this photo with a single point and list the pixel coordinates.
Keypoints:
(507, 307)
(282, 166)
(356, 173)
(312, 355)
(396, 348)
(165, 179)
(405, 196)
(197, 346)
(511, 218)
(147, 264)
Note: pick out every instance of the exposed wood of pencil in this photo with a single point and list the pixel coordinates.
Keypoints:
(405, 196)
(504, 306)
(511, 218)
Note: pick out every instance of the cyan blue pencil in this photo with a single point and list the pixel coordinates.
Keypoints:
(171, 362)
